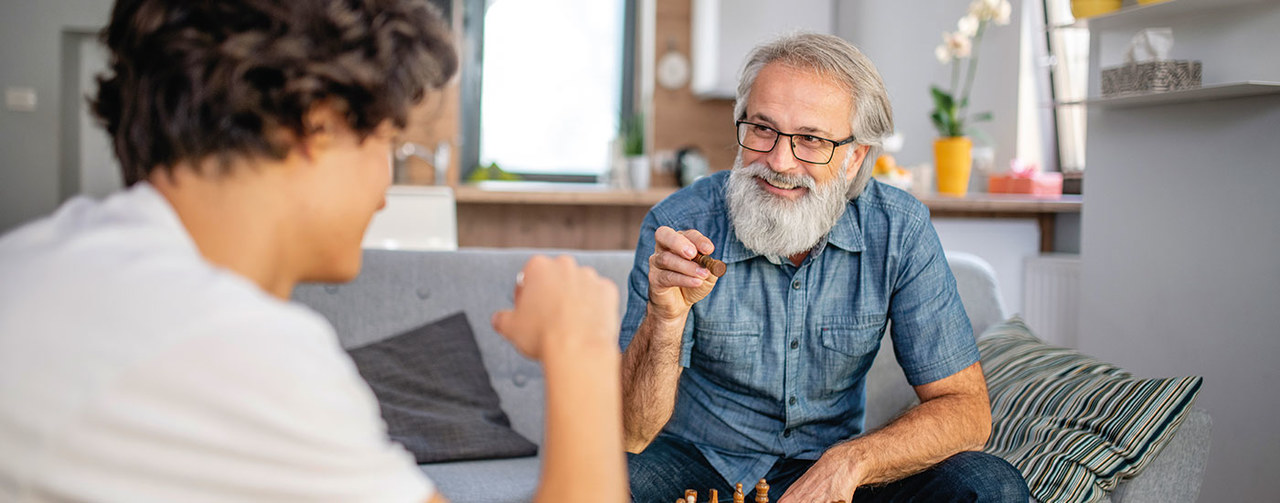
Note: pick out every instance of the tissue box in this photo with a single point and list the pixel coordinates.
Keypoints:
(1150, 77)
(1039, 184)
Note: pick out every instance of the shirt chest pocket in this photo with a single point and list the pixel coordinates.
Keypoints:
(727, 352)
(849, 346)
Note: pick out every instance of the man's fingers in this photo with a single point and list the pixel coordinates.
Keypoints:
(674, 279)
(671, 262)
(702, 243)
(667, 238)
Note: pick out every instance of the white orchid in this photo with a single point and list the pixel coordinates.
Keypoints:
(950, 113)
(958, 44)
(968, 25)
(991, 10)
(943, 54)
(1003, 13)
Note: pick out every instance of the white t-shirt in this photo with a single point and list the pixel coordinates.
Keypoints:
(131, 369)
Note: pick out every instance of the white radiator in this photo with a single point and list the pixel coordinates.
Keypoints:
(1051, 297)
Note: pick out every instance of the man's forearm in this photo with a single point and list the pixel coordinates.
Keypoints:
(650, 373)
(922, 437)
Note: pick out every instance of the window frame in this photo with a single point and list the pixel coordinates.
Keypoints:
(471, 80)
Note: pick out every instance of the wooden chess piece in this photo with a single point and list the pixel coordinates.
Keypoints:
(690, 496)
(713, 266)
(762, 492)
(713, 496)
(738, 497)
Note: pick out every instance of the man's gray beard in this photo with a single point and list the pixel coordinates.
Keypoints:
(774, 226)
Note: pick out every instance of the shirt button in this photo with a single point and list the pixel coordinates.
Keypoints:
(795, 285)
(792, 401)
(786, 433)
(795, 344)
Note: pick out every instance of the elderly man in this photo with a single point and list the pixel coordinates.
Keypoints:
(760, 373)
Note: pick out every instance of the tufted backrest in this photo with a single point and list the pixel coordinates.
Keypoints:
(401, 290)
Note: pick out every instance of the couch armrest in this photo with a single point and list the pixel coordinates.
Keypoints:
(1175, 475)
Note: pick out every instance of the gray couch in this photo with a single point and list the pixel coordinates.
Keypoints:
(400, 290)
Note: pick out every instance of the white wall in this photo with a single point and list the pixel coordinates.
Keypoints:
(899, 37)
(1004, 243)
(1181, 242)
(32, 36)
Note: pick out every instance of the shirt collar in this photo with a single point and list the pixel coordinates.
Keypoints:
(846, 235)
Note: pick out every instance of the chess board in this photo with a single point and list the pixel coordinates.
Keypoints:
(713, 496)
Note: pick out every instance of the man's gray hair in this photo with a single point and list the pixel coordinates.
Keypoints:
(835, 58)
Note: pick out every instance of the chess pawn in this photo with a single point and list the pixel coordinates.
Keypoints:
(762, 492)
(738, 497)
(690, 496)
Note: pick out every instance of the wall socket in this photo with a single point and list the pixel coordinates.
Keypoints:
(20, 99)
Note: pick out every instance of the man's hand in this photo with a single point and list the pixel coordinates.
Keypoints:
(833, 478)
(560, 306)
(676, 282)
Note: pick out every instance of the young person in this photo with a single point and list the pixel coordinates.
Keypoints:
(148, 347)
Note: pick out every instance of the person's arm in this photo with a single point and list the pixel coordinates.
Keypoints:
(566, 316)
(954, 415)
(651, 364)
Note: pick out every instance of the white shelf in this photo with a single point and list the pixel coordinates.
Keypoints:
(1139, 15)
(1206, 93)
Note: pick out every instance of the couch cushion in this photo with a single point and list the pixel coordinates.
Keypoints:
(435, 395)
(488, 481)
(1073, 425)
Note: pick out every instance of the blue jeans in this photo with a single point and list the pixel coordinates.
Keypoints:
(669, 466)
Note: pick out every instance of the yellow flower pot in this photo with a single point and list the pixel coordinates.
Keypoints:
(1088, 8)
(952, 158)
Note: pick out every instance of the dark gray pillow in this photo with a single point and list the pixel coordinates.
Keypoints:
(435, 395)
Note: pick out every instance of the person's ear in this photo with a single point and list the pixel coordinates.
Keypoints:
(859, 154)
(321, 123)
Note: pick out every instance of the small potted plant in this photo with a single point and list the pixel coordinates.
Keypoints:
(952, 150)
(632, 135)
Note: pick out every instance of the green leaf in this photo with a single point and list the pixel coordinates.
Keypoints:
(978, 135)
(940, 123)
(941, 99)
(982, 117)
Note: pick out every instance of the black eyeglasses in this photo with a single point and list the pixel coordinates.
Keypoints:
(806, 147)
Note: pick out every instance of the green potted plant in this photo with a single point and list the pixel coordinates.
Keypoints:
(632, 135)
(952, 150)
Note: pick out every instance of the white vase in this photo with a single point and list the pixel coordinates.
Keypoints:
(638, 169)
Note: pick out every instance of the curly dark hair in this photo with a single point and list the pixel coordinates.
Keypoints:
(195, 79)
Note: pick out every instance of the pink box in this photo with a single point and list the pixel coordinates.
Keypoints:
(1039, 184)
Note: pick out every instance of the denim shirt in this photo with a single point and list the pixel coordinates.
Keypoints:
(776, 355)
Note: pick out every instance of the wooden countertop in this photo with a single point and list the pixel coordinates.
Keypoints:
(557, 194)
(1001, 203)
(599, 195)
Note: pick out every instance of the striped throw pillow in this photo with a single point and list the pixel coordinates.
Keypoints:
(1074, 426)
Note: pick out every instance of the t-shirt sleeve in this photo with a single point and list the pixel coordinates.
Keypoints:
(932, 337)
(262, 408)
